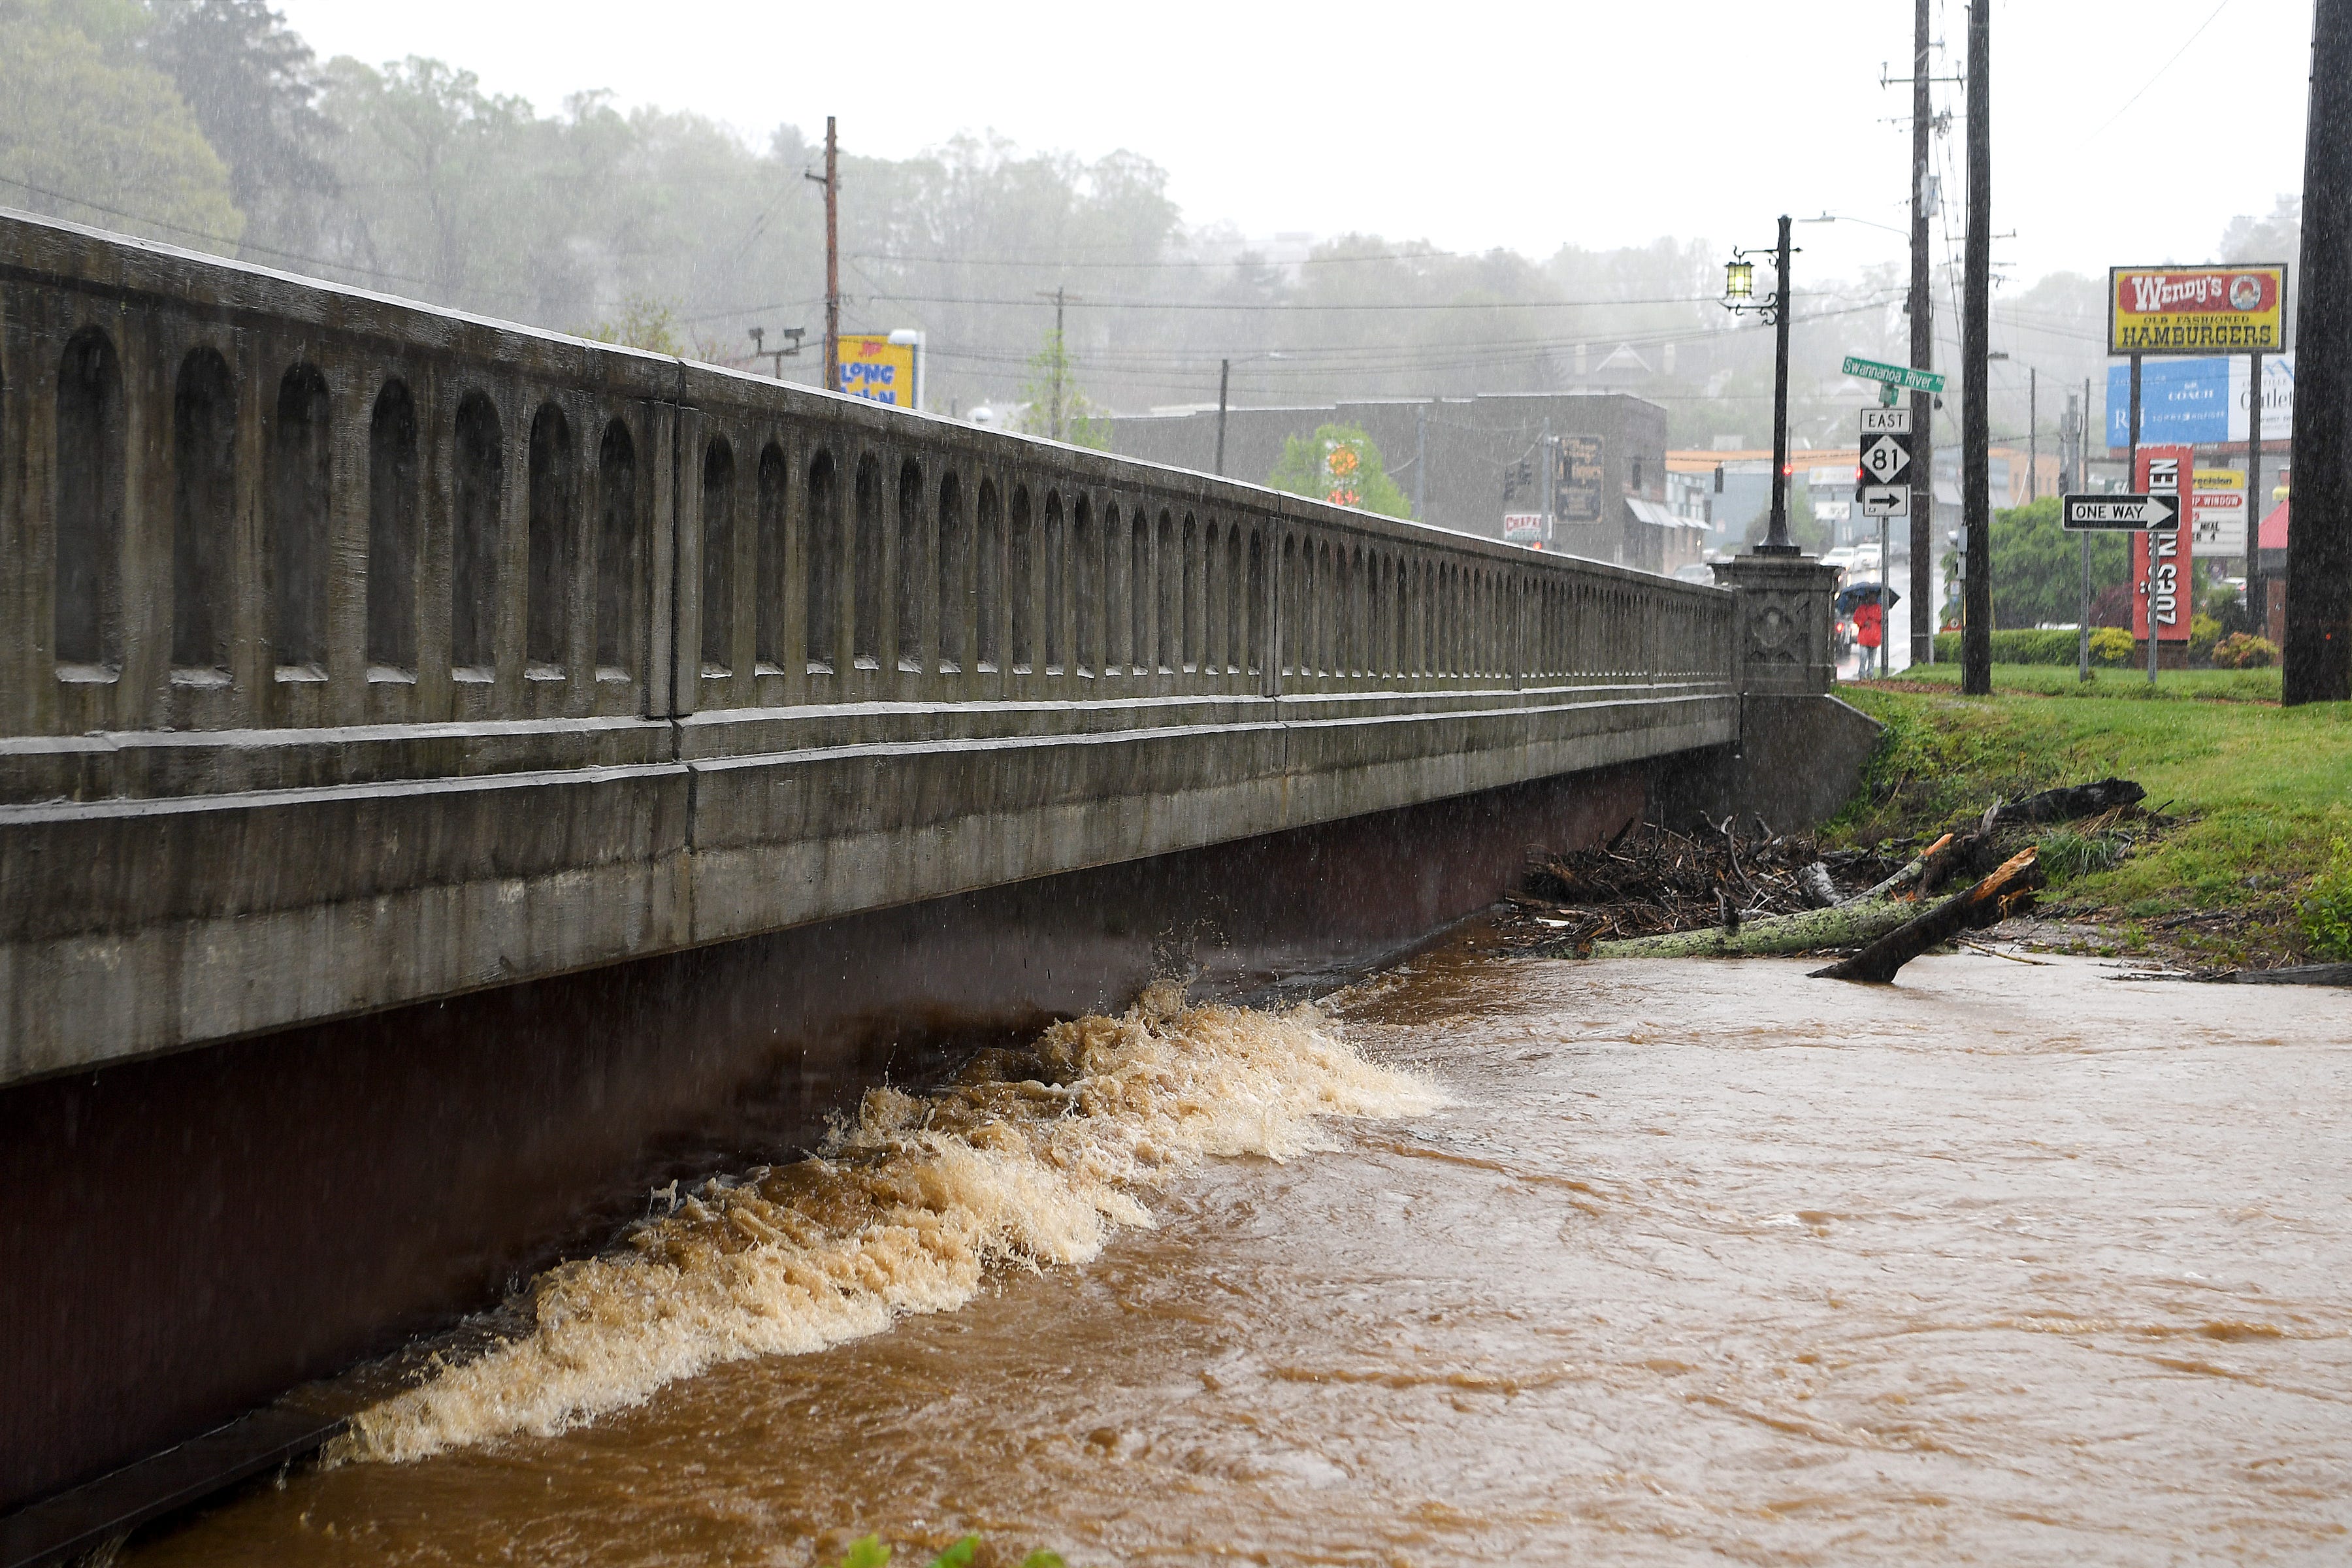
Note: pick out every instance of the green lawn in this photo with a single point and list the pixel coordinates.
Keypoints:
(2261, 792)
(2060, 680)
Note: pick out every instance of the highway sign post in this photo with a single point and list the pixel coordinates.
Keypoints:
(1882, 483)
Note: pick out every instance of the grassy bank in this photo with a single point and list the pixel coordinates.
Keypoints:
(2059, 681)
(2249, 797)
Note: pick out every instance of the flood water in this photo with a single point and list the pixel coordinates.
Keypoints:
(1651, 1263)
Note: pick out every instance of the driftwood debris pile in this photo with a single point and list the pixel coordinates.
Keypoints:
(1650, 881)
(1652, 893)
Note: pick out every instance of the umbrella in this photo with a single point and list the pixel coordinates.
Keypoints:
(1861, 593)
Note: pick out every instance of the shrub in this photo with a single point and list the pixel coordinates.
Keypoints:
(2111, 646)
(2023, 647)
(2327, 910)
(2243, 650)
(2204, 631)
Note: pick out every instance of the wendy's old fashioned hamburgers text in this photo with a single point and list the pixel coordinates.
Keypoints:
(2197, 310)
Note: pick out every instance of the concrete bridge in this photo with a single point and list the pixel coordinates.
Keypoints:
(495, 750)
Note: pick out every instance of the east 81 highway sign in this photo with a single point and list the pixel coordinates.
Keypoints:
(2127, 514)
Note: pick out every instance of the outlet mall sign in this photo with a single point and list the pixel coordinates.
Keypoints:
(2200, 402)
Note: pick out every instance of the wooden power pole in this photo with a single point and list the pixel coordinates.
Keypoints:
(832, 183)
(1923, 357)
(2319, 541)
(1976, 343)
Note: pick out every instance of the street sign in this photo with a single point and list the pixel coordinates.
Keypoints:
(2131, 514)
(1885, 500)
(1895, 421)
(1884, 455)
(1901, 377)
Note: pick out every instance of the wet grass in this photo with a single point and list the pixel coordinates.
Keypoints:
(2129, 685)
(2249, 800)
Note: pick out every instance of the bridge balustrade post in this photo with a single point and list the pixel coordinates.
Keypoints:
(1785, 623)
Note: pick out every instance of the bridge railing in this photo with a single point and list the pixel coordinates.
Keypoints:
(236, 504)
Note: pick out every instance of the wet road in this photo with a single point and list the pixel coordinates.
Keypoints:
(2007, 1264)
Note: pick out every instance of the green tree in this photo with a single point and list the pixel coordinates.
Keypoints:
(1052, 404)
(2037, 566)
(91, 133)
(252, 86)
(1339, 464)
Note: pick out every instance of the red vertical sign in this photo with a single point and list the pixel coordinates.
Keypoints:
(2163, 471)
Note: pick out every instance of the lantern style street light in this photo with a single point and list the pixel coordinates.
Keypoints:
(1739, 298)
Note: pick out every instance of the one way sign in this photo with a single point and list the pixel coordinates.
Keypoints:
(2128, 514)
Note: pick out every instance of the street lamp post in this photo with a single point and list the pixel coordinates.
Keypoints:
(1739, 298)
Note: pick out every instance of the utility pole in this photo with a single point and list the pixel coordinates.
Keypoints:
(2319, 545)
(1225, 377)
(832, 183)
(1421, 463)
(2255, 488)
(1976, 427)
(2032, 435)
(1060, 352)
(1923, 357)
(2079, 420)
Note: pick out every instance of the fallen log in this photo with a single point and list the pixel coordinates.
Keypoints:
(2067, 803)
(1982, 905)
(1841, 925)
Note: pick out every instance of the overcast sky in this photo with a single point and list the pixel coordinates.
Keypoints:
(2122, 133)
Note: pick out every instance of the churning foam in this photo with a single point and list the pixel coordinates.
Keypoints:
(1030, 1158)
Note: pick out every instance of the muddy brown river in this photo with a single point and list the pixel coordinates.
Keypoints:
(1505, 1261)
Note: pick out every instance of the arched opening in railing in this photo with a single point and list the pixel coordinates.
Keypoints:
(1188, 594)
(392, 530)
(717, 608)
(1022, 582)
(87, 612)
(616, 550)
(821, 633)
(301, 457)
(866, 567)
(1057, 606)
(204, 510)
(1235, 629)
(915, 579)
(1171, 568)
(1290, 624)
(547, 584)
(1119, 636)
(1326, 639)
(1139, 592)
(956, 599)
(474, 531)
(987, 650)
(1255, 604)
(1213, 598)
(1087, 546)
(772, 582)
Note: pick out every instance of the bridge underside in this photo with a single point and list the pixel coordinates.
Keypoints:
(219, 1224)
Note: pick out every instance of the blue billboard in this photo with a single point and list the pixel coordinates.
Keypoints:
(2199, 402)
